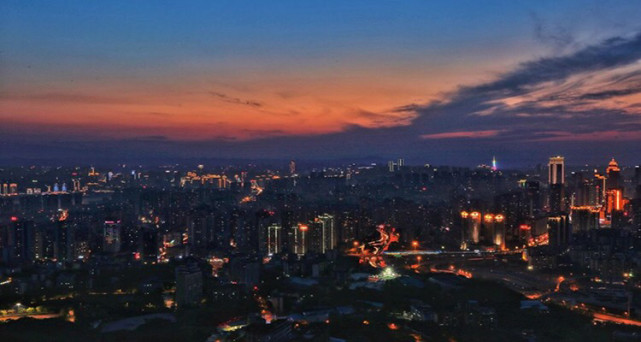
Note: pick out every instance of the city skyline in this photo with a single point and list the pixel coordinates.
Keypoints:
(447, 84)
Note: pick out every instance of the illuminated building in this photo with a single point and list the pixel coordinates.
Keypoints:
(613, 173)
(111, 236)
(614, 207)
(557, 198)
(585, 218)
(323, 235)
(471, 229)
(559, 232)
(395, 166)
(274, 239)
(20, 240)
(13, 189)
(599, 189)
(65, 247)
(189, 285)
(488, 228)
(556, 170)
(300, 241)
(556, 181)
(76, 184)
(475, 227)
(5, 189)
(499, 231)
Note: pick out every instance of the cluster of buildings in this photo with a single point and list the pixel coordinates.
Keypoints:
(223, 231)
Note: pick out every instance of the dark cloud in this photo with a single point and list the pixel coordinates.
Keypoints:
(610, 93)
(235, 100)
(548, 91)
(610, 53)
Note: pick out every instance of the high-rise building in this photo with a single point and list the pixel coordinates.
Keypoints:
(65, 239)
(244, 271)
(499, 231)
(111, 236)
(559, 232)
(395, 165)
(585, 218)
(326, 228)
(471, 229)
(189, 285)
(300, 239)
(21, 240)
(150, 243)
(391, 166)
(556, 180)
(274, 239)
(556, 170)
(613, 173)
(488, 228)
(557, 198)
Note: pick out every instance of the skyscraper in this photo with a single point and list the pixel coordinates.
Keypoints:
(324, 224)
(613, 173)
(65, 247)
(111, 236)
(556, 170)
(189, 285)
(556, 179)
(274, 239)
(559, 230)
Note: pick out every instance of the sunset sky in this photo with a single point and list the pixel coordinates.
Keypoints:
(447, 82)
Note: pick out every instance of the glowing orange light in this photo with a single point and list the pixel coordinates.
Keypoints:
(475, 214)
(14, 218)
(499, 218)
(392, 326)
(489, 217)
(525, 227)
(464, 214)
(414, 244)
(303, 227)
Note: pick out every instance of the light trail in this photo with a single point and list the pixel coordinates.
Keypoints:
(615, 319)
